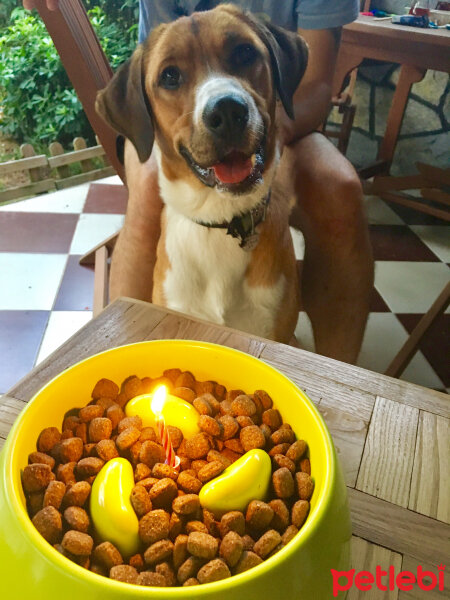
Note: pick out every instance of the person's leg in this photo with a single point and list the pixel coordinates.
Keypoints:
(337, 275)
(134, 255)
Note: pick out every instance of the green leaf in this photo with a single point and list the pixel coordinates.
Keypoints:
(38, 102)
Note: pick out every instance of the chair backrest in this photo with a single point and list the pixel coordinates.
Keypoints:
(85, 63)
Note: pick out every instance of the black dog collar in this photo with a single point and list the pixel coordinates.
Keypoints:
(244, 226)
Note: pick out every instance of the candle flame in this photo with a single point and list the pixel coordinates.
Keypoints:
(159, 398)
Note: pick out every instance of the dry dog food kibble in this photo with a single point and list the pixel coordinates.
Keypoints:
(77, 518)
(124, 573)
(231, 548)
(49, 524)
(213, 571)
(154, 526)
(77, 543)
(77, 494)
(202, 545)
(259, 515)
(158, 552)
(107, 555)
(266, 543)
(48, 439)
(163, 493)
(232, 521)
(181, 543)
(54, 494)
(36, 477)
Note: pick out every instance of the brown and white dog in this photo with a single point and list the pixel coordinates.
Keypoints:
(202, 93)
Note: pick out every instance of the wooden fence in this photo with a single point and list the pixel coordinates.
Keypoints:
(50, 173)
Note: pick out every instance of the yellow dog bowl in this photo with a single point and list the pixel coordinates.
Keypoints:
(30, 568)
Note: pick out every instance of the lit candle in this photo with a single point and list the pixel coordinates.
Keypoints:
(159, 398)
(175, 411)
(112, 513)
(247, 479)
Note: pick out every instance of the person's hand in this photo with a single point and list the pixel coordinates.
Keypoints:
(30, 4)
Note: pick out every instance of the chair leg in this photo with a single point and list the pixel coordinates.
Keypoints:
(100, 280)
(346, 128)
(406, 353)
(109, 243)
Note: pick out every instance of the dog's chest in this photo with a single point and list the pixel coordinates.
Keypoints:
(207, 278)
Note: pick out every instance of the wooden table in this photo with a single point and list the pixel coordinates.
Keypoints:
(415, 49)
(392, 437)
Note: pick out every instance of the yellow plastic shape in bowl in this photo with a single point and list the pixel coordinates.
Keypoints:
(175, 411)
(112, 514)
(247, 479)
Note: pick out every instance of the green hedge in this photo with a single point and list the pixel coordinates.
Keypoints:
(37, 102)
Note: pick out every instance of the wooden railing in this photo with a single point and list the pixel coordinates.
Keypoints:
(50, 173)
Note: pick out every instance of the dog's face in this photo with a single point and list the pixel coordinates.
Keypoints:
(205, 88)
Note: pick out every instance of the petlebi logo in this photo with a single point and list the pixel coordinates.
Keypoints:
(388, 580)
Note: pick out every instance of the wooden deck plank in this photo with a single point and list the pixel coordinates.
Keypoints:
(411, 564)
(430, 486)
(176, 326)
(325, 391)
(10, 408)
(388, 457)
(290, 360)
(399, 529)
(366, 557)
(349, 435)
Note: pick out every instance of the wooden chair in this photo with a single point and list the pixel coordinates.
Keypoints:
(410, 347)
(347, 109)
(432, 182)
(89, 71)
(85, 63)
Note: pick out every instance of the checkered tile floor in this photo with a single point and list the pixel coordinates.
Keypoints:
(46, 296)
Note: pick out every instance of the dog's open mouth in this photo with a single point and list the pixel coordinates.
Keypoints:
(236, 172)
(234, 168)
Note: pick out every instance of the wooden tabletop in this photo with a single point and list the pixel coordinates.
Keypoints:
(392, 437)
(384, 27)
(414, 48)
(428, 48)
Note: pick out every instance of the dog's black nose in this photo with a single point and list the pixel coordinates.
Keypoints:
(226, 116)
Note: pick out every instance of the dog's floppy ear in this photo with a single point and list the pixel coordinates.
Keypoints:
(124, 106)
(289, 58)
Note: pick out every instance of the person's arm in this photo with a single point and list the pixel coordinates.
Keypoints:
(313, 96)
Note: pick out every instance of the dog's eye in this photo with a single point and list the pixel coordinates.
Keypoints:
(243, 55)
(170, 78)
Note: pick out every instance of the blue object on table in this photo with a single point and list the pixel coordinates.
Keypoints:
(380, 13)
(411, 20)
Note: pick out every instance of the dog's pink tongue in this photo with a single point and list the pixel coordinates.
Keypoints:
(233, 169)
